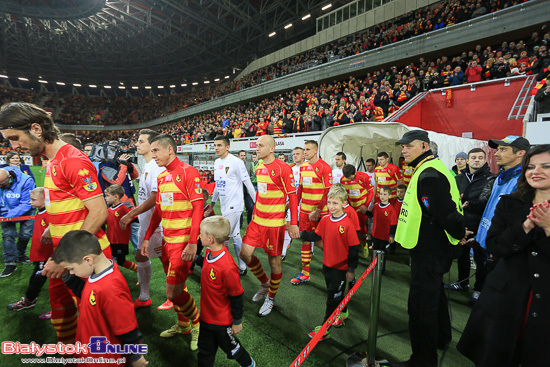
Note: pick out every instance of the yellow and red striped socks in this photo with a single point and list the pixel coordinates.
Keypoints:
(274, 284)
(256, 269)
(306, 257)
(130, 265)
(185, 303)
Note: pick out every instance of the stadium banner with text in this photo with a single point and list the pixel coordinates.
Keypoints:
(313, 342)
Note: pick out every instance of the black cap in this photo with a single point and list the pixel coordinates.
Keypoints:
(413, 135)
(511, 141)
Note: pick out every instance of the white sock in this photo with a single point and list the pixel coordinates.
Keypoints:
(144, 271)
(237, 244)
(286, 244)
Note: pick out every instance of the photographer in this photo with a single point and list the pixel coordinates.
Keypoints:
(473, 72)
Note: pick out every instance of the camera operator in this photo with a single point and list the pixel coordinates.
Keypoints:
(15, 191)
(115, 168)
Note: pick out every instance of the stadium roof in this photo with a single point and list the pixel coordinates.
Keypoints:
(142, 42)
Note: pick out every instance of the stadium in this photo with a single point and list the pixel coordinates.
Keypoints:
(106, 95)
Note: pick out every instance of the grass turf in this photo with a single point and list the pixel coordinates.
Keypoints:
(274, 340)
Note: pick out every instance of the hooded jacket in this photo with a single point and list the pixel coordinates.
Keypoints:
(15, 201)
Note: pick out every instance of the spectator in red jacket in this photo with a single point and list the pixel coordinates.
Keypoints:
(473, 72)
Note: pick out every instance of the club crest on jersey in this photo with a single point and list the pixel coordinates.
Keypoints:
(89, 185)
(213, 273)
(178, 178)
(226, 169)
(316, 169)
(92, 298)
(198, 191)
(117, 214)
(272, 173)
(43, 223)
(341, 229)
(386, 213)
(54, 172)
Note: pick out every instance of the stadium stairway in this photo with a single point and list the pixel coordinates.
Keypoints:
(478, 110)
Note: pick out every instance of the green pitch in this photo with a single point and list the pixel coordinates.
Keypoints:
(274, 340)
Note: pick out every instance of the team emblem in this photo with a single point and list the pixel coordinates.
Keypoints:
(178, 178)
(272, 173)
(83, 172)
(92, 298)
(213, 274)
(226, 169)
(198, 191)
(117, 214)
(316, 169)
(89, 185)
(54, 172)
(43, 223)
(386, 213)
(341, 229)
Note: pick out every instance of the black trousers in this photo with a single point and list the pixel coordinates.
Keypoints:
(213, 336)
(36, 282)
(429, 322)
(463, 262)
(249, 206)
(335, 280)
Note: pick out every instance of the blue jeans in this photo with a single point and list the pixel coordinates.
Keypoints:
(9, 233)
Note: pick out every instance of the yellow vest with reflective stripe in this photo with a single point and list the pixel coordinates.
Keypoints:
(408, 225)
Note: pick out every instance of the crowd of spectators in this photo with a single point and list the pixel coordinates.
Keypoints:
(369, 98)
(73, 109)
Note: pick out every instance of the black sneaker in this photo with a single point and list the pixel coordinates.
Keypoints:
(24, 259)
(458, 287)
(22, 304)
(8, 270)
(242, 273)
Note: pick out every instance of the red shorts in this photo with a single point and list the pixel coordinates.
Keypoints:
(175, 268)
(362, 223)
(271, 239)
(306, 224)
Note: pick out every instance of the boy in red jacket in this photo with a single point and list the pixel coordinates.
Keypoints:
(384, 222)
(118, 237)
(221, 297)
(40, 253)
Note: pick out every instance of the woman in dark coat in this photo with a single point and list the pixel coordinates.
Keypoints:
(14, 159)
(510, 324)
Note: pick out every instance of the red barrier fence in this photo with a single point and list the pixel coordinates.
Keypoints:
(309, 347)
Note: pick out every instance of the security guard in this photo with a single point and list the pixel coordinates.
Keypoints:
(430, 222)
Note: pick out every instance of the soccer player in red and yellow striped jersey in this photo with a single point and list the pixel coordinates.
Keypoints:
(360, 193)
(386, 174)
(179, 206)
(315, 181)
(73, 198)
(267, 229)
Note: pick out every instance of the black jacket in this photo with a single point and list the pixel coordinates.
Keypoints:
(439, 213)
(471, 188)
(492, 334)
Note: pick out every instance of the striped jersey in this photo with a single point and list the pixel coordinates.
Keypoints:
(407, 172)
(275, 183)
(315, 179)
(71, 179)
(360, 190)
(178, 187)
(388, 176)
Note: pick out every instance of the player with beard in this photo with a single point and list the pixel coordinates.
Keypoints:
(73, 198)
